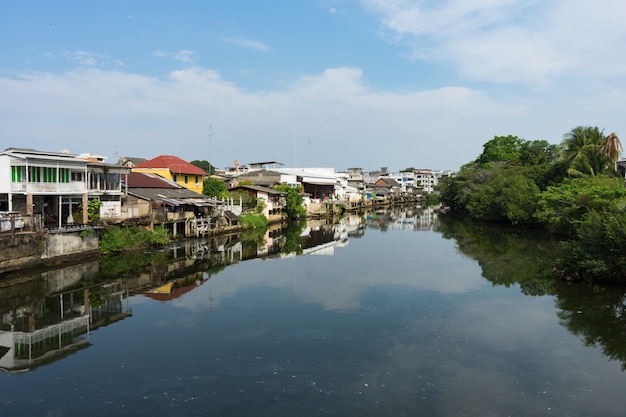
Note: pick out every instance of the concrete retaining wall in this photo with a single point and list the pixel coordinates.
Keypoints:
(27, 250)
(63, 244)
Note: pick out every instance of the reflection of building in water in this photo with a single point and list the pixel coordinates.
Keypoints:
(339, 235)
(37, 330)
(176, 288)
(321, 237)
(403, 219)
(427, 218)
(355, 225)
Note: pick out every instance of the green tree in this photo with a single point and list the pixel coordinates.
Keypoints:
(584, 151)
(504, 194)
(538, 152)
(518, 198)
(564, 206)
(597, 254)
(205, 166)
(214, 187)
(294, 207)
(501, 148)
(456, 191)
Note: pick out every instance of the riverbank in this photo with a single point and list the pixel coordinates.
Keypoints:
(35, 249)
(27, 249)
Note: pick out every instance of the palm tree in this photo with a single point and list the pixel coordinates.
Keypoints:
(583, 150)
(613, 148)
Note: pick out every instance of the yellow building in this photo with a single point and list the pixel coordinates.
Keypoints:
(174, 169)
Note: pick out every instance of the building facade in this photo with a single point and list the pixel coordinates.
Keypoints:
(53, 187)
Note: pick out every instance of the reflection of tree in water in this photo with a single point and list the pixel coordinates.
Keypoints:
(293, 237)
(597, 315)
(130, 264)
(507, 256)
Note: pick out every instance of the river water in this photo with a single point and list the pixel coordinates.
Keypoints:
(389, 314)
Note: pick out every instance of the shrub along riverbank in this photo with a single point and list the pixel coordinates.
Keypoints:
(121, 239)
(574, 189)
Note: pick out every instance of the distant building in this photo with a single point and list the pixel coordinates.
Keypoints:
(130, 162)
(427, 179)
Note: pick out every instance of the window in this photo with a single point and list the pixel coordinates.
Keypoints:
(76, 176)
(39, 174)
(175, 177)
(64, 175)
(186, 179)
(104, 181)
(34, 174)
(113, 181)
(49, 174)
(18, 173)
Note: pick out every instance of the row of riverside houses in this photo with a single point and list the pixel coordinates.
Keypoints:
(325, 190)
(52, 190)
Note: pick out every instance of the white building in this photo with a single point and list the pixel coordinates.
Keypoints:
(53, 185)
(427, 179)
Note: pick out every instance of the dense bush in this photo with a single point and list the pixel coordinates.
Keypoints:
(598, 252)
(563, 206)
(119, 239)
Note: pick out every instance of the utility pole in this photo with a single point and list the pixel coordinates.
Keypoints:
(210, 163)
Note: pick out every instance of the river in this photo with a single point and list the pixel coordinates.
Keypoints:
(390, 314)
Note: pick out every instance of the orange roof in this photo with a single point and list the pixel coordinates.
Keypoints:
(174, 164)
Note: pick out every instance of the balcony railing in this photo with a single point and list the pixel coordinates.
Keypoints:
(46, 188)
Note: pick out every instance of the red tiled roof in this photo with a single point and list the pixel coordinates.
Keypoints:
(141, 180)
(174, 164)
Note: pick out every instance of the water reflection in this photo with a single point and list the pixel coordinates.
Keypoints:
(372, 315)
(599, 320)
(507, 256)
(524, 258)
(47, 316)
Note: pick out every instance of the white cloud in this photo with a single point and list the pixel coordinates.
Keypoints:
(257, 45)
(347, 122)
(510, 41)
(83, 58)
(184, 55)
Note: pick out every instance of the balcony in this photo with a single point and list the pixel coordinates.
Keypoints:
(48, 187)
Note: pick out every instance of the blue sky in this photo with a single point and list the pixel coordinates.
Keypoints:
(339, 83)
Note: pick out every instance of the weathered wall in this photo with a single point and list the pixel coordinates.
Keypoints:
(27, 250)
(19, 249)
(62, 244)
